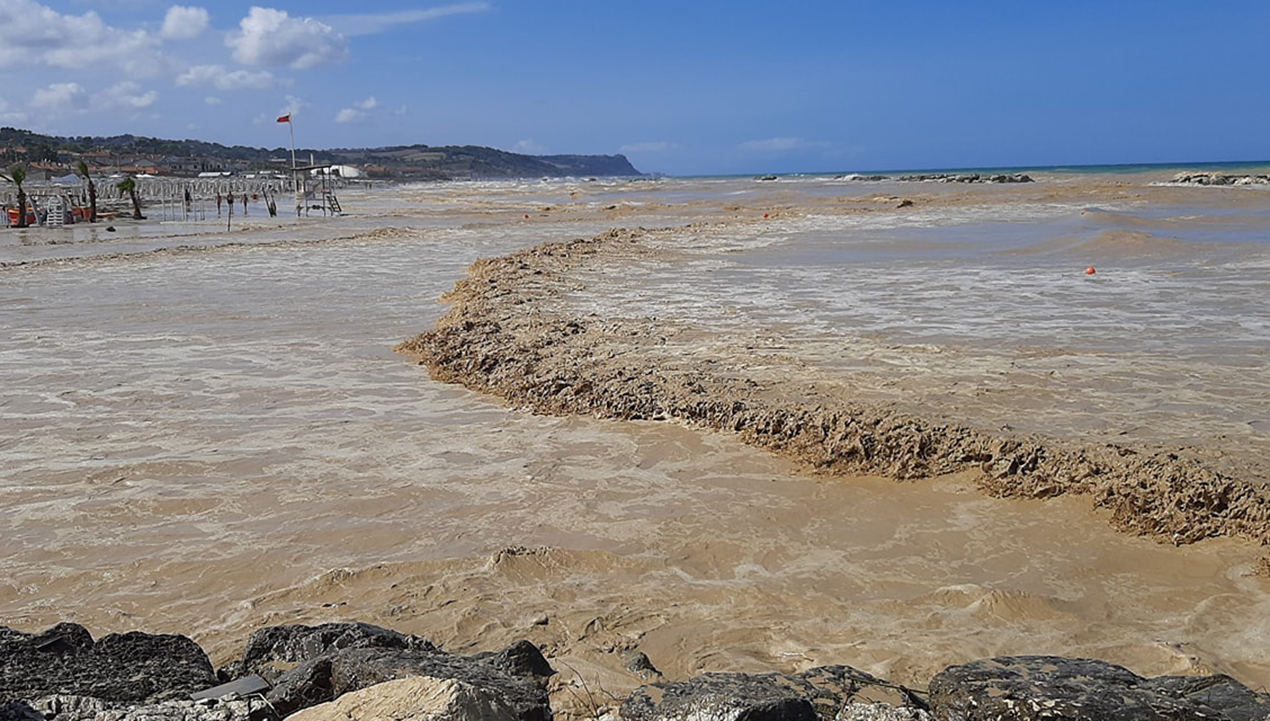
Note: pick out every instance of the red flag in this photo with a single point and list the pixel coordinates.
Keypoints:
(284, 118)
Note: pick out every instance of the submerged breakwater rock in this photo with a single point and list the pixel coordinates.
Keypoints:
(1209, 178)
(359, 672)
(966, 178)
(941, 178)
(511, 332)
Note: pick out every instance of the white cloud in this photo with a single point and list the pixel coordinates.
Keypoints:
(224, 79)
(34, 35)
(60, 97)
(773, 145)
(69, 98)
(379, 22)
(125, 96)
(183, 23)
(272, 37)
(212, 100)
(354, 114)
(660, 146)
(245, 80)
(530, 147)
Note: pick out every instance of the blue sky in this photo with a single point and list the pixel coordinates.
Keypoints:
(683, 87)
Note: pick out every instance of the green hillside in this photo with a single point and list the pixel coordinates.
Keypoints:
(413, 162)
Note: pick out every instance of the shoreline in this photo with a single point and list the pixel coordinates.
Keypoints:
(502, 337)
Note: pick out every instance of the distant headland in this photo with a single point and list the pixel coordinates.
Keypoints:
(49, 156)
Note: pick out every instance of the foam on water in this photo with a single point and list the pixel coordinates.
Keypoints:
(1166, 341)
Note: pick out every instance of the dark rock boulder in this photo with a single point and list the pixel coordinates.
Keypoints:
(813, 695)
(309, 684)
(1226, 697)
(1052, 687)
(328, 677)
(312, 665)
(719, 696)
(19, 711)
(64, 707)
(273, 647)
(80, 708)
(522, 658)
(119, 668)
(638, 663)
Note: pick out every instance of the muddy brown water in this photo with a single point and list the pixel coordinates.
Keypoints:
(209, 439)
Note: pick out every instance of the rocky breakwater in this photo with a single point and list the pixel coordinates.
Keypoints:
(944, 178)
(63, 675)
(1212, 178)
(359, 672)
(966, 178)
(511, 332)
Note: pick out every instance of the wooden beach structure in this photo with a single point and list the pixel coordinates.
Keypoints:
(172, 199)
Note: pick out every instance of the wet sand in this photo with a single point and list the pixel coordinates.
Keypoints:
(216, 439)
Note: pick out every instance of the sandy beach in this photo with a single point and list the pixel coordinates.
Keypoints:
(735, 425)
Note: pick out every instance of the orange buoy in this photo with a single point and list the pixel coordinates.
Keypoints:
(1090, 270)
(764, 215)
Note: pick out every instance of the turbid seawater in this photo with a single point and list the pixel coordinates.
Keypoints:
(207, 431)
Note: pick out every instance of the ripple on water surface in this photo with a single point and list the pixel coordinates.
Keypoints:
(205, 442)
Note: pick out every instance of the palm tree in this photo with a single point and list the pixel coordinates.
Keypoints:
(129, 186)
(92, 192)
(17, 176)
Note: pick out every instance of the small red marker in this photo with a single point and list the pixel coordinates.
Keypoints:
(526, 216)
(1090, 270)
(764, 215)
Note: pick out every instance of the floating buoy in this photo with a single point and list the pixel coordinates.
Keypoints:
(526, 216)
(764, 215)
(1090, 270)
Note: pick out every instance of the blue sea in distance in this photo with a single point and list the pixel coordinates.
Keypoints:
(1249, 166)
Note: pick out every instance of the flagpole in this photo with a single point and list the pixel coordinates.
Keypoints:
(291, 127)
(295, 174)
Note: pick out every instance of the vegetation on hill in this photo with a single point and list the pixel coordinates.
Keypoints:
(411, 162)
